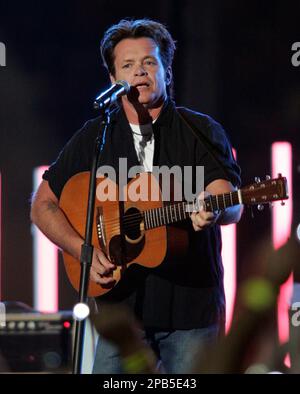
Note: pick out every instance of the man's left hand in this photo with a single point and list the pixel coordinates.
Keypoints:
(203, 219)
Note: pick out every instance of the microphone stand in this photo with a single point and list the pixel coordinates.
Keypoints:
(87, 247)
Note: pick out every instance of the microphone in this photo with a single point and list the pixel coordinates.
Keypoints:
(111, 95)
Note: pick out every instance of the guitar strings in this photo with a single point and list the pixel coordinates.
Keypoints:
(130, 222)
(142, 214)
(156, 218)
(133, 223)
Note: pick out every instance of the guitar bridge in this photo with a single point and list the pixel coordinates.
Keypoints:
(100, 229)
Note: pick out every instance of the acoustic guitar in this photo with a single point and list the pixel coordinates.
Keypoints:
(142, 231)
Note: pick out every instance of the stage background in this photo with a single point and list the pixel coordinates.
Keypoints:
(233, 62)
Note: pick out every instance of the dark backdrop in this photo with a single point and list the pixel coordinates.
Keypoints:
(233, 62)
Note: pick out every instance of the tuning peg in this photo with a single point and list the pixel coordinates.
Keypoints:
(268, 177)
(260, 207)
(257, 179)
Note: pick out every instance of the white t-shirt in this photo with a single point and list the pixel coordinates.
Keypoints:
(144, 144)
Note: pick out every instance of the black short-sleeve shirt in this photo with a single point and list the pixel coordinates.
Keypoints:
(182, 294)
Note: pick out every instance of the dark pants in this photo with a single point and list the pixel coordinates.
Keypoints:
(175, 349)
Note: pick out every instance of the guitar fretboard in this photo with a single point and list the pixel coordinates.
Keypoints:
(179, 211)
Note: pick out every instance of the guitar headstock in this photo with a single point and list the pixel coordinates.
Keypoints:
(263, 192)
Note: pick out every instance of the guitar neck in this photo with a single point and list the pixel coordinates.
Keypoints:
(177, 212)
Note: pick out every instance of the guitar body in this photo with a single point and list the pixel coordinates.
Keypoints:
(135, 224)
(123, 244)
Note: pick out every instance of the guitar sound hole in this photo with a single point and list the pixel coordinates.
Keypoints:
(131, 223)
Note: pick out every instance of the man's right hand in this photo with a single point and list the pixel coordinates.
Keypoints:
(47, 215)
(102, 268)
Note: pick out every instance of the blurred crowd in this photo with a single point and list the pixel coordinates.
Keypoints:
(252, 344)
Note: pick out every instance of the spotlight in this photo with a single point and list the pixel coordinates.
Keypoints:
(81, 311)
(298, 233)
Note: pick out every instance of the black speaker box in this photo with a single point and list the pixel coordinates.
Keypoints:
(37, 342)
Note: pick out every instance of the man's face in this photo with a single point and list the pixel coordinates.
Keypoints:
(138, 62)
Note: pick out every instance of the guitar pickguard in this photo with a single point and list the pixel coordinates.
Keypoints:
(126, 246)
(122, 252)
